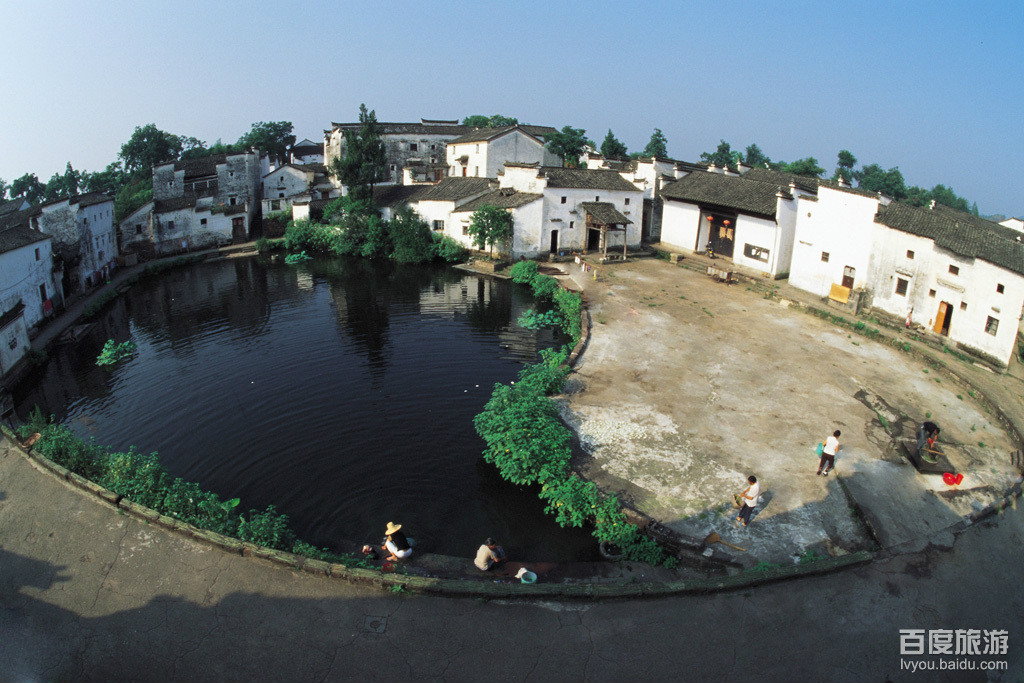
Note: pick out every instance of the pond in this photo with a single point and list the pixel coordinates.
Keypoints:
(342, 391)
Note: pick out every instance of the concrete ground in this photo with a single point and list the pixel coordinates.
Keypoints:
(689, 385)
(87, 594)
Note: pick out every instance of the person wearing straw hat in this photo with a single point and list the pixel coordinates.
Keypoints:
(396, 543)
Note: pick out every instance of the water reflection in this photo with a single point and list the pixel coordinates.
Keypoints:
(342, 391)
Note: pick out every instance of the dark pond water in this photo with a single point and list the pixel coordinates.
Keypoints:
(342, 391)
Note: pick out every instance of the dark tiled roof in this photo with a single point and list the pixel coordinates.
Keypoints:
(408, 128)
(315, 168)
(202, 166)
(454, 189)
(17, 218)
(174, 204)
(504, 198)
(959, 232)
(395, 195)
(767, 175)
(18, 234)
(91, 198)
(604, 212)
(11, 206)
(586, 179)
(485, 134)
(731, 192)
(10, 316)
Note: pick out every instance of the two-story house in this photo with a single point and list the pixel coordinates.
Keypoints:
(482, 153)
(287, 183)
(84, 238)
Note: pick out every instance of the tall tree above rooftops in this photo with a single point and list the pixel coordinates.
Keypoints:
(29, 187)
(148, 146)
(807, 166)
(495, 121)
(890, 183)
(755, 158)
(272, 137)
(657, 146)
(62, 186)
(611, 147)
(844, 166)
(4, 187)
(365, 161)
(724, 156)
(109, 180)
(568, 143)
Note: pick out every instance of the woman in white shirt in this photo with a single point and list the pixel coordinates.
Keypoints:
(749, 498)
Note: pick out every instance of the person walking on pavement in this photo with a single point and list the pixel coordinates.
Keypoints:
(828, 454)
(748, 500)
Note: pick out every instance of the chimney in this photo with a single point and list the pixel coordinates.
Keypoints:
(711, 168)
(842, 182)
(931, 204)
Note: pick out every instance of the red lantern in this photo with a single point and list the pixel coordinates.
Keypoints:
(710, 219)
(725, 222)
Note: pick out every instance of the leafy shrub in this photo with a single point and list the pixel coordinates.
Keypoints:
(114, 353)
(267, 528)
(448, 250)
(572, 501)
(412, 238)
(544, 286)
(295, 259)
(546, 377)
(264, 245)
(532, 320)
(523, 272)
(570, 304)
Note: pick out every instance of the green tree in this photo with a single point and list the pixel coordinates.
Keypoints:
(496, 121)
(945, 195)
(134, 194)
(876, 179)
(29, 187)
(755, 158)
(411, 236)
(490, 225)
(364, 163)
(612, 148)
(723, 156)
(148, 146)
(657, 147)
(805, 167)
(568, 143)
(62, 186)
(844, 166)
(4, 187)
(273, 137)
(109, 180)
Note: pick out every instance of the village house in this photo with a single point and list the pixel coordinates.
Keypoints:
(306, 151)
(29, 289)
(583, 210)
(482, 152)
(1015, 223)
(650, 175)
(285, 184)
(403, 142)
(752, 222)
(197, 203)
(84, 238)
(436, 203)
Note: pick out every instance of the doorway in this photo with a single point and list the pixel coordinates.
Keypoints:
(554, 241)
(593, 239)
(238, 229)
(943, 318)
(848, 273)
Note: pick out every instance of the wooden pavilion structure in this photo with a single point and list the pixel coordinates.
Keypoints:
(602, 218)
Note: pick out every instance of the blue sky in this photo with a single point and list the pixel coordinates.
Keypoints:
(934, 88)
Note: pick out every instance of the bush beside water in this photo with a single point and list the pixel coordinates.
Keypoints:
(528, 443)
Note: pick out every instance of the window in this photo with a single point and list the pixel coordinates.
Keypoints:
(231, 174)
(138, 229)
(824, 257)
(170, 225)
(910, 254)
(37, 253)
(42, 294)
(170, 183)
(991, 325)
(465, 228)
(275, 204)
(202, 221)
(563, 200)
(392, 168)
(963, 305)
(572, 224)
(999, 289)
(438, 226)
(627, 201)
(232, 201)
(901, 286)
(754, 252)
(931, 293)
(413, 147)
(476, 171)
(280, 195)
(954, 270)
(433, 147)
(597, 199)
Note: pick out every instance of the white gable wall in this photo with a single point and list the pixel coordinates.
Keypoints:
(22, 271)
(975, 286)
(680, 224)
(841, 224)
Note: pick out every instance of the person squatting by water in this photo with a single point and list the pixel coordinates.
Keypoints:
(396, 543)
(488, 555)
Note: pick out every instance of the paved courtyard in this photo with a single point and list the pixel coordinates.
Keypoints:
(689, 385)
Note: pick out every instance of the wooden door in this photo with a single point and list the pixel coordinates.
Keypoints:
(848, 273)
(238, 229)
(941, 326)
